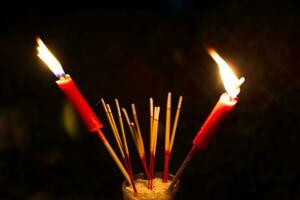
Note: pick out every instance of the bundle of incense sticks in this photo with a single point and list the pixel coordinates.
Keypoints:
(137, 136)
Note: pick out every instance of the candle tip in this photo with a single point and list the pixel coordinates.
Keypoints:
(230, 80)
(49, 59)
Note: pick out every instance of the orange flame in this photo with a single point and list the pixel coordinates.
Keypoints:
(231, 82)
(45, 55)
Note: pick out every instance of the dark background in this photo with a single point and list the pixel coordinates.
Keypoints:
(133, 50)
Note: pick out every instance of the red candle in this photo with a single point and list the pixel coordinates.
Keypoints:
(67, 85)
(69, 88)
(71, 91)
(223, 107)
(225, 104)
(219, 112)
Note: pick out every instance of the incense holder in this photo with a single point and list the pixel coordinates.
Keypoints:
(159, 190)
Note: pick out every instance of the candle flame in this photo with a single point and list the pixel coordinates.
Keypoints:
(47, 57)
(231, 82)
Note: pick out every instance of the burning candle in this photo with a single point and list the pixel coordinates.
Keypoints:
(69, 88)
(225, 104)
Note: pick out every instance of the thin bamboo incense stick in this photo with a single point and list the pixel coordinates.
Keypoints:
(156, 119)
(172, 138)
(167, 138)
(142, 154)
(138, 146)
(136, 121)
(175, 123)
(150, 135)
(112, 125)
(139, 136)
(116, 132)
(119, 142)
(168, 122)
(133, 132)
(151, 117)
(113, 155)
(154, 143)
(122, 127)
(131, 129)
(151, 157)
(182, 167)
(151, 154)
(129, 168)
(107, 115)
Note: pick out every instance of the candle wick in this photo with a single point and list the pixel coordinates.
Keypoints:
(64, 77)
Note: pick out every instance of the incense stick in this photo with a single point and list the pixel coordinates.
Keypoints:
(138, 145)
(156, 119)
(167, 138)
(122, 127)
(107, 114)
(150, 137)
(139, 136)
(130, 127)
(127, 160)
(151, 120)
(116, 132)
(153, 144)
(136, 121)
(136, 140)
(175, 123)
(168, 122)
(114, 128)
(182, 167)
(142, 155)
(168, 153)
(113, 155)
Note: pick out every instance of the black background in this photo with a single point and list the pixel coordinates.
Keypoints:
(133, 50)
